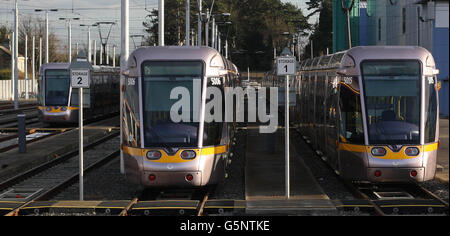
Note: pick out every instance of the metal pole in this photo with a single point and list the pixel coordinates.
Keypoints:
(26, 66)
(213, 32)
(95, 52)
(124, 53)
(80, 121)
(312, 50)
(101, 55)
(13, 64)
(40, 52)
(349, 29)
(16, 59)
(22, 139)
(217, 36)
(70, 41)
(114, 56)
(199, 33)
(89, 44)
(33, 63)
(188, 22)
(207, 28)
(107, 54)
(286, 132)
(219, 41)
(161, 22)
(226, 48)
(46, 38)
(76, 49)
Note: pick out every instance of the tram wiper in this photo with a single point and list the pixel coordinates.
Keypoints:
(188, 136)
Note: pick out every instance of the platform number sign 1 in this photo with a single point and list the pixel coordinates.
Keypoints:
(286, 65)
(79, 78)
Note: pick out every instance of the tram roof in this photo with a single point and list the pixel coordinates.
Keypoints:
(361, 53)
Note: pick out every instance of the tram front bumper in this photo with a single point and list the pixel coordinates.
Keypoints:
(169, 178)
(396, 174)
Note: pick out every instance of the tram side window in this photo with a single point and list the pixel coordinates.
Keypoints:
(351, 128)
(430, 109)
(212, 134)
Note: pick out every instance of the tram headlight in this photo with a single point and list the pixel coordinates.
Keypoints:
(378, 151)
(412, 151)
(48, 108)
(188, 154)
(153, 155)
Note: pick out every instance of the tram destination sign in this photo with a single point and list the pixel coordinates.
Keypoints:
(79, 78)
(286, 65)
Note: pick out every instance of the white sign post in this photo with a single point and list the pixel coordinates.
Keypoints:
(80, 73)
(286, 66)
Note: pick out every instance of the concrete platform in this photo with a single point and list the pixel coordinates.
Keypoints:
(265, 178)
(12, 162)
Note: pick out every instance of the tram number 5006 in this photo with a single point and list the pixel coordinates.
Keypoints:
(348, 80)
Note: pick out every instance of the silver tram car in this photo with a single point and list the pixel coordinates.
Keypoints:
(371, 112)
(157, 149)
(58, 102)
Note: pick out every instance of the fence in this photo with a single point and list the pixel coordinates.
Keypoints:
(7, 92)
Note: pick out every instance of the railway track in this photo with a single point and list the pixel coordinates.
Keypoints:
(10, 141)
(399, 199)
(10, 120)
(390, 199)
(170, 201)
(7, 108)
(45, 181)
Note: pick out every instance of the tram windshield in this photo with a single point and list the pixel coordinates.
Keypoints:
(160, 80)
(392, 98)
(57, 85)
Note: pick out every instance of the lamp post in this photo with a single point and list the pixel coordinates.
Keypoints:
(214, 27)
(89, 49)
(69, 20)
(46, 31)
(219, 43)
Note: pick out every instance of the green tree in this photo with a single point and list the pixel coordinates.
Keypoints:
(322, 31)
(256, 29)
(4, 35)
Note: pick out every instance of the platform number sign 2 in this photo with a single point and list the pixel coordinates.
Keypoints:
(79, 78)
(286, 65)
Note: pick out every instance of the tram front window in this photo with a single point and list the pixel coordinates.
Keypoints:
(57, 85)
(392, 97)
(160, 79)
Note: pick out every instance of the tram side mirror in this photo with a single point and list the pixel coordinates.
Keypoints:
(223, 72)
(341, 71)
(126, 73)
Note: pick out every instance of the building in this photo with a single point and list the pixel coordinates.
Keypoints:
(401, 22)
(5, 60)
(340, 32)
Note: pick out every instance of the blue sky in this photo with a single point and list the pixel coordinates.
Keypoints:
(89, 12)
